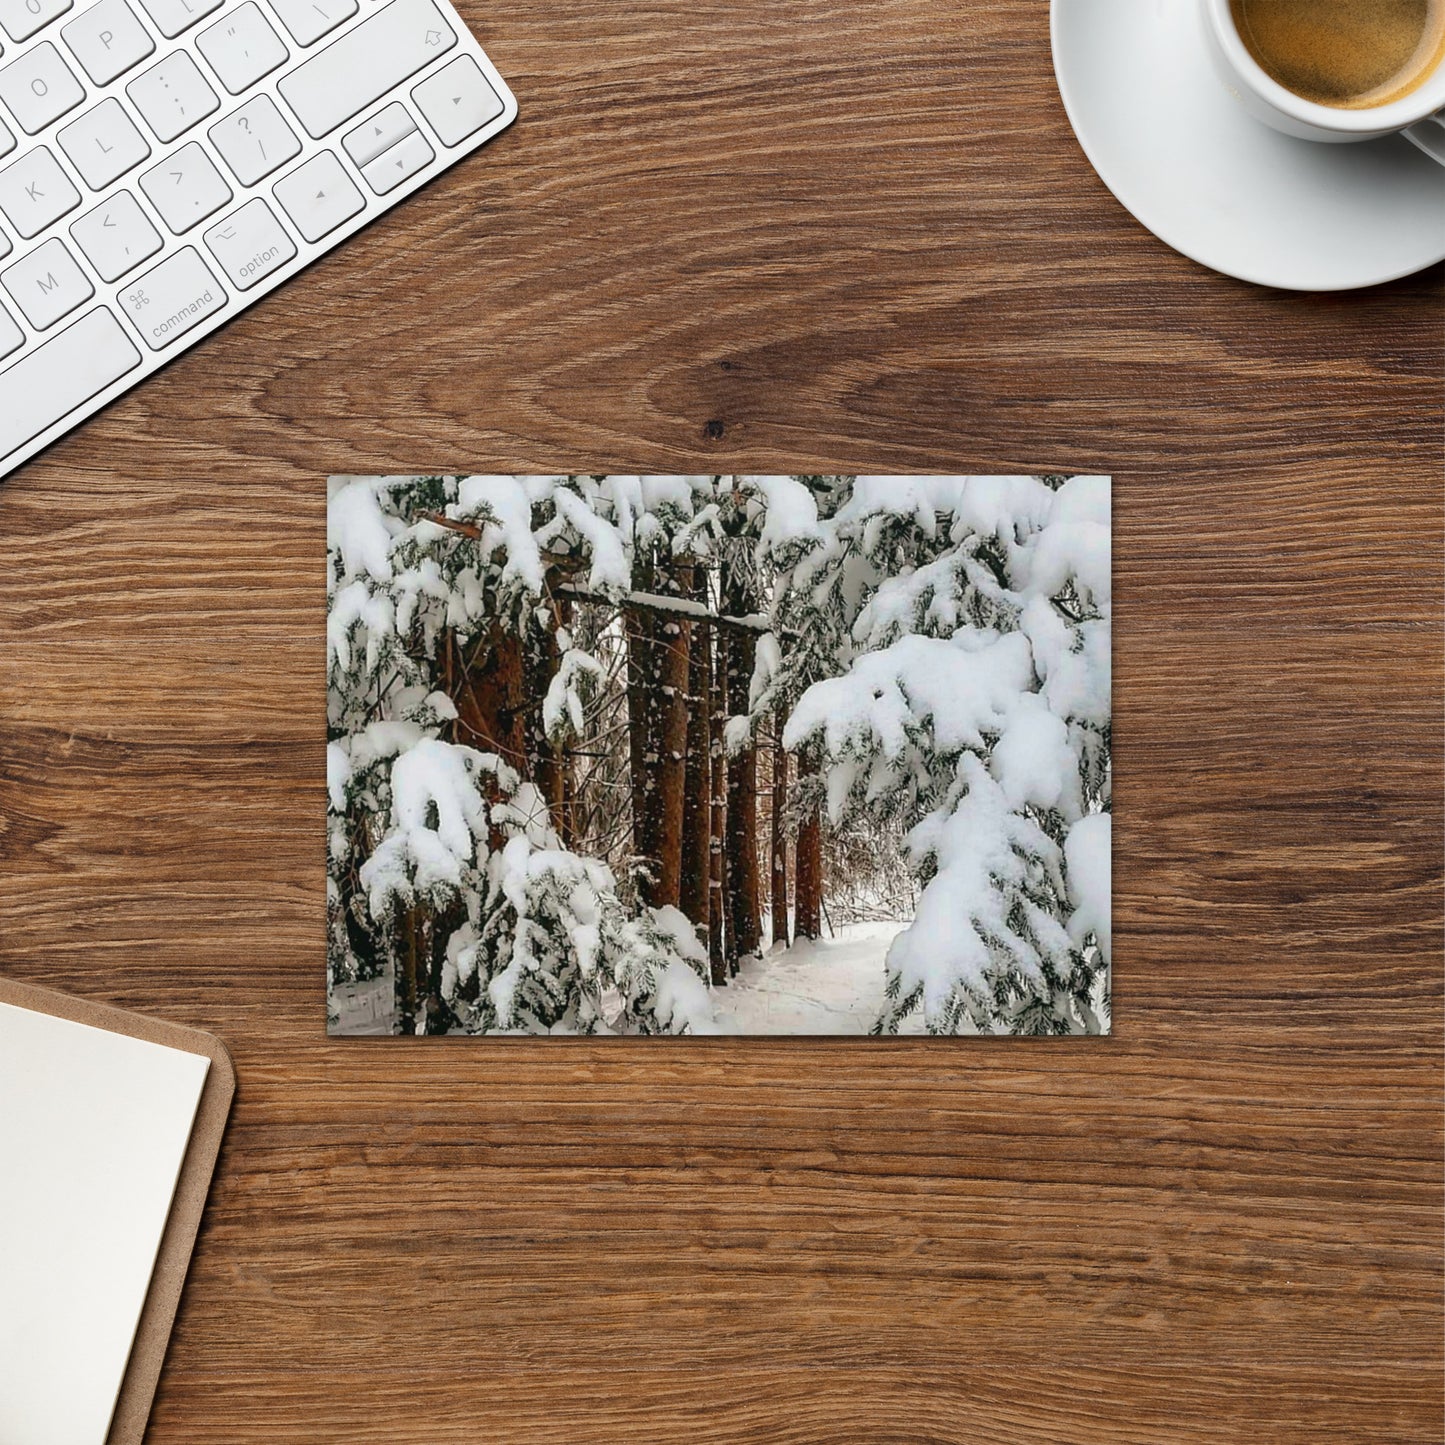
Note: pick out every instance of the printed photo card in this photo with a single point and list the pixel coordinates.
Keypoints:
(719, 755)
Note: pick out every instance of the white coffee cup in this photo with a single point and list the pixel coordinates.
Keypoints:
(1420, 115)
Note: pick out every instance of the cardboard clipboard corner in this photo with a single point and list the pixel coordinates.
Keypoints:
(163, 1298)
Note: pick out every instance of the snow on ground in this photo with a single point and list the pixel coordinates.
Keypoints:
(832, 986)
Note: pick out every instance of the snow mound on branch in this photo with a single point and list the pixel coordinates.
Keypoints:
(1088, 859)
(1033, 761)
(358, 532)
(1008, 508)
(937, 599)
(790, 514)
(437, 814)
(611, 572)
(961, 688)
(504, 505)
(350, 756)
(1073, 661)
(978, 910)
(674, 925)
(564, 702)
(1076, 543)
(358, 613)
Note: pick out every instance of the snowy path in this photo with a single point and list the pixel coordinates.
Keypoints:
(834, 986)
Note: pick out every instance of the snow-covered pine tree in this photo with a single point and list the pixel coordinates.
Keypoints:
(976, 706)
(446, 870)
(809, 642)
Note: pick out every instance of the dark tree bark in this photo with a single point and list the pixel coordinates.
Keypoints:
(778, 880)
(657, 673)
(407, 985)
(718, 928)
(673, 648)
(490, 696)
(641, 721)
(569, 803)
(809, 863)
(743, 883)
(641, 741)
(567, 779)
(694, 891)
(547, 761)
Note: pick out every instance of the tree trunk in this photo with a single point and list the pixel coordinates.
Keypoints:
(641, 717)
(490, 697)
(657, 672)
(809, 863)
(567, 780)
(778, 881)
(569, 803)
(642, 745)
(693, 895)
(407, 990)
(717, 929)
(743, 883)
(547, 761)
(673, 647)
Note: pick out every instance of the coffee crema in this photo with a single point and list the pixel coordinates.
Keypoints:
(1351, 54)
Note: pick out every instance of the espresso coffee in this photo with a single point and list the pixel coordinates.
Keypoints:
(1352, 54)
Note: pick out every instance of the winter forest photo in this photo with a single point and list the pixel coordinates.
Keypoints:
(718, 755)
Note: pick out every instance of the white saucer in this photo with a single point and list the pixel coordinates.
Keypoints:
(1180, 153)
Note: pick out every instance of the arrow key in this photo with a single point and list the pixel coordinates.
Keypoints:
(116, 236)
(319, 195)
(400, 163)
(379, 133)
(457, 101)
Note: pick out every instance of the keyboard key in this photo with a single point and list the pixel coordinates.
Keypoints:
(53, 380)
(241, 48)
(34, 191)
(457, 101)
(186, 188)
(255, 140)
(5, 246)
(116, 237)
(366, 62)
(22, 18)
(12, 338)
(378, 134)
(176, 296)
(7, 139)
(309, 20)
(47, 284)
(103, 144)
(250, 244)
(173, 16)
(107, 40)
(39, 88)
(172, 96)
(400, 163)
(318, 196)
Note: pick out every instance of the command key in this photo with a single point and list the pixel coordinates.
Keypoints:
(169, 301)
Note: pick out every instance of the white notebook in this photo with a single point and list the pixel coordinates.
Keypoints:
(93, 1131)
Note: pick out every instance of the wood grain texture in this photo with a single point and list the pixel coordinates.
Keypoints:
(793, 235)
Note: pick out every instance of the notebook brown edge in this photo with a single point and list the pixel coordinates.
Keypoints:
(143, 1371)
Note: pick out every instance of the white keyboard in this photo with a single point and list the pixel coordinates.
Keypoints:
(163, 163)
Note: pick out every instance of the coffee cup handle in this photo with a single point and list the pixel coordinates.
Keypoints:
(1429, 135)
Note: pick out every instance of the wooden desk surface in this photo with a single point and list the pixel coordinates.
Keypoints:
(784, 236)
